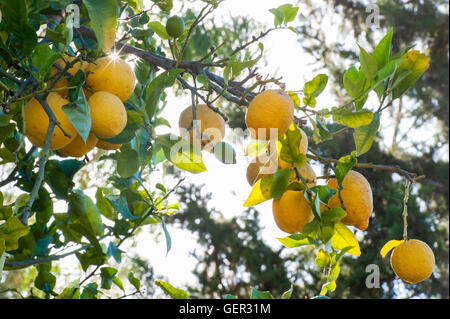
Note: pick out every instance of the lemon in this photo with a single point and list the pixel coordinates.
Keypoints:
(212, 125)
(107, 146)
(357, 198)
(291, 212)
(112, 75)
(269, 110)
(413, 261)
(108, 114)
(36, 122)
(78, 148)
(259, 168)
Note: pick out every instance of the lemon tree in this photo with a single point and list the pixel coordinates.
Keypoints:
(97, 93)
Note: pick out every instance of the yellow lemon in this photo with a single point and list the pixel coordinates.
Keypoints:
(357, 198)
(78, 148)
(270, 109)
(261, 167)
(112, 75)
(36, 122)
(108, 114)
(413, 261)
(212, 125)
(107, 146)
(291, 212)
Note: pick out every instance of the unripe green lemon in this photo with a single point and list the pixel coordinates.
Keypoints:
(175, 26)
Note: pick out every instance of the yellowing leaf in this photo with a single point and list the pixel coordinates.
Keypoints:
(389, 246)
(343, 237)
(260, 192)
(103, 15)
(255, 149)
(11, 231)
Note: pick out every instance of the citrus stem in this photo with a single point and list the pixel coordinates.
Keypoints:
(405, 210)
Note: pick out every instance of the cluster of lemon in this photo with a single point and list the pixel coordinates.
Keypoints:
(110, 82)
(413, 261)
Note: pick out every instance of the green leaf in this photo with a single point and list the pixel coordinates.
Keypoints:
(388, 246)
(15, 14)
(166, 234)
(103, 15)
(78, 110)
(107, 275)
(333, 215)
(94, 217)
(11, 231)
(343, 166)
(115, 252)
(225, 153)
(160, 29)
(127, 163)
(134, 281)
(120, 203)
(43, 58)
(118, 283)
(157, 86)
(284, 14)
(383, 50)
(280, 182)
(295, 240)
(45, 281)
(278, 19)
(289, 12)
(352, 119)
(104, 206)
(171, 290)
(368, 64)
(237, 66)
(20, 202)
(181, 153)
(290, 146)
(256, 294)
(164, 5)
(90, 291)
(288, 294)
(354, 82)
(343, 237)
(321, 132)
(314, 88)
(364, 135)
(322, 258)
(92, 256)
(260, 192)
(324, 192)
(228, 296)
